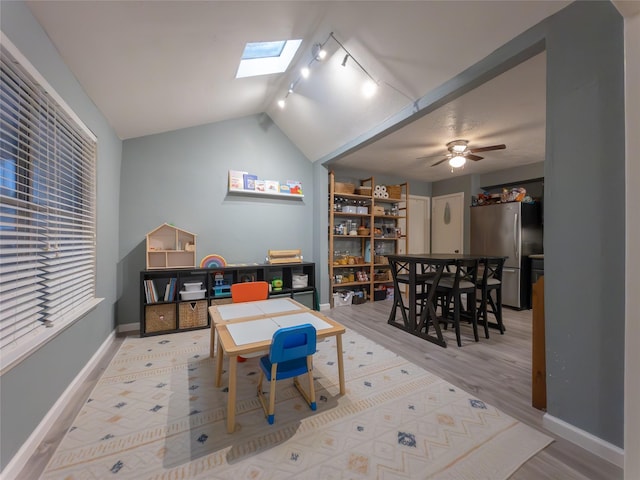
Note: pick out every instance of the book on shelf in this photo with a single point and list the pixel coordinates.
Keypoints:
(236, 179)
(249, 181)
(284, 188)
(272, 186)
(260, 186)
(172, 290)
(154, 292)
(167, 290)
(150, 291)
(295, 187)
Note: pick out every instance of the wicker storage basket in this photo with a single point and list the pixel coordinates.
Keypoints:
(192, 314)
(381, 259)
(346, 188)
(158, 318)
(394, 191)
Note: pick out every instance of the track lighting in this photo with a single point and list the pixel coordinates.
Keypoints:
(369, 88)
(318, 53)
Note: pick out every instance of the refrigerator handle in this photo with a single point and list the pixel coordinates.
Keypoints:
(515, 235)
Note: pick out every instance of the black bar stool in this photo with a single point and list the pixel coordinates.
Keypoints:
(489, 284)
(450, 290)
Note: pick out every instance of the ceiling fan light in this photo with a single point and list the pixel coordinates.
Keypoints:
(457, 161)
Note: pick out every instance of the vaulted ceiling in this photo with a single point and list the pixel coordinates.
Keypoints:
(152, 67)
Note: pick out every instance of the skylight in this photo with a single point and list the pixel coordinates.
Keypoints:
(263, 58)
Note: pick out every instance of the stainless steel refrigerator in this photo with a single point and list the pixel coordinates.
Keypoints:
(513, 230)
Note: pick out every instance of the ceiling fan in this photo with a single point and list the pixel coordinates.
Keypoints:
(459, 152)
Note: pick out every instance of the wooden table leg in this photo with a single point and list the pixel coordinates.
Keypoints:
(219, 362)
(231, 398)
(343, 388)
(213, 341)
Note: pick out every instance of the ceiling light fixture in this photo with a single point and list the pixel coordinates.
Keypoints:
(318, 53)
(457, 161)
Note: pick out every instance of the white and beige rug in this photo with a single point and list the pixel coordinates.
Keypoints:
(156, 414)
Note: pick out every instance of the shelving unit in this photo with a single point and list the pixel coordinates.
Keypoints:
(177, 314)
(356, 256)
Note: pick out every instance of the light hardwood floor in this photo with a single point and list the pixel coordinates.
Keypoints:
(497, 370)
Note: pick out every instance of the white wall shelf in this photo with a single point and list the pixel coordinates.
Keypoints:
(252, 193)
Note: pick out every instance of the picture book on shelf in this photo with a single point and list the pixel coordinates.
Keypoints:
(272, 186)
(284, 188)
(250, 181)
(260, 186)
(236, 180)
(295, 187)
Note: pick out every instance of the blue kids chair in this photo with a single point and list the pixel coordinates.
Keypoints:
(290, 355)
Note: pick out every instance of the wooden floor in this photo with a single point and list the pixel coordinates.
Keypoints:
(497, 370)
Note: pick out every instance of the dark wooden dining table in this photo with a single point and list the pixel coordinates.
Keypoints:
(413, 270)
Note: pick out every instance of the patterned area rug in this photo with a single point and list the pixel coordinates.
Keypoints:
(156, 414)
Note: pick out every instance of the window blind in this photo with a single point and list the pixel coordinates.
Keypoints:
(47, 207)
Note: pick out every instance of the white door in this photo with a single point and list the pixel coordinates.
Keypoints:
(419, 232)
(447, 223)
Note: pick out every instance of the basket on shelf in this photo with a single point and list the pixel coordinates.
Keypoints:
(381, 259)
(160, 317)
(346, 188)
(394, 191)
(364, 191)
(193, 314)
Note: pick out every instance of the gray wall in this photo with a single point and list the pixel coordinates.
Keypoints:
(31, 388)
(181, 177)
(585, 219)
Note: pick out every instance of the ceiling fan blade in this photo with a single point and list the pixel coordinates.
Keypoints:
(424, 157)
(439, 162)
(471, 156)
(488, 149)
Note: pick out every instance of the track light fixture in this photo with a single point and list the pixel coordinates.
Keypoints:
(318, 53)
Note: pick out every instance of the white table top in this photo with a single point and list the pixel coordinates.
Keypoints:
(251, 309)
(263, 329)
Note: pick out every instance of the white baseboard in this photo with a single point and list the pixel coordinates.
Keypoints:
(584, 439)
(325, 306)
(128, 327)
(29, 447)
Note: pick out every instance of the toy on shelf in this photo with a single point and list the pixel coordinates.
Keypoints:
(213, 261)
(221, 287)
(284, 256)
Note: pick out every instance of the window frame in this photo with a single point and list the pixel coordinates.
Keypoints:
(72, 214)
